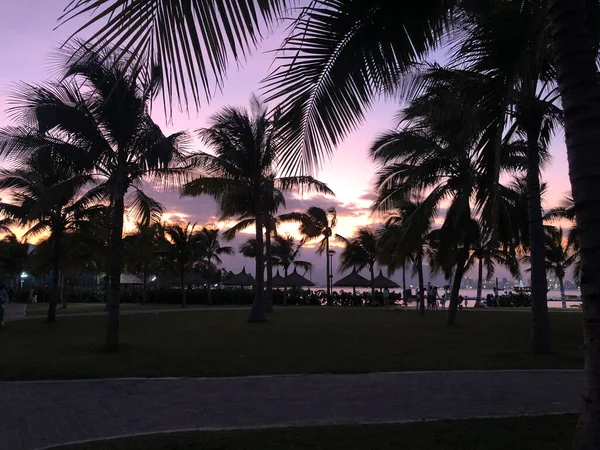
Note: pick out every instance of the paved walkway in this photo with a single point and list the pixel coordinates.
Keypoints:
(14, 311)
(41, 414)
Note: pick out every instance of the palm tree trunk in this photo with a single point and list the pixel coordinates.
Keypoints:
(208, 285)
(61, 291)
(257, 313)
(372, 285)
(268, 254)
(145, 286)
(182, 286)
(575, 62)
(285, 290)
(51, 317)
(404, 282)
(479, 282)
(328, 271)
(115, 257)
(458, 274)
(540, 323)
(421, 286)
(563, 297)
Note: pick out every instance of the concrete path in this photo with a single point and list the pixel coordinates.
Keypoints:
(40, 414)
(14, 311)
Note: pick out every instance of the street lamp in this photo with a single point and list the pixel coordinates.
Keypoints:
(330, 254)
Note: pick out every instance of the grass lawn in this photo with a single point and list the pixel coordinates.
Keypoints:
(41, 309)
(525, 433)
(327, 340)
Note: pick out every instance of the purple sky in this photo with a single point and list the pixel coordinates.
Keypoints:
(27, 39)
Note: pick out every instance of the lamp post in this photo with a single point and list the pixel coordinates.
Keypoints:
(330, 254)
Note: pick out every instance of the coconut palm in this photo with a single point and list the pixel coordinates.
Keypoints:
(489, 252)
(210, 250)
(247, 219)
(242, 175)
(99, 116)
(317, 223)
(361, 252)
(566, 211)
(45, 198)
(14, 259)
(559, 257)
(183, 248)
(342, 54)
(405, 240)
(437, 155)
(286, 253)
(142, 250)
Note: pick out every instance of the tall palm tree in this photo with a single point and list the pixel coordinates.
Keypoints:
(274, 199)
(14, 259)
(141, 251)
(345, 53)
(361, 251)
(99, 116)
(242, 175)
(488, 252)
(437, 155)
(183, 248)
(405, 240)
(519, 59)
(566, 211)
(286, 253)
(45, 198)
(317, 223)
(210, 251)
(559, 257)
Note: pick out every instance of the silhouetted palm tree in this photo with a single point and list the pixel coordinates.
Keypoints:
(142, 251)
(242, 175)
(361, 251)
(317, 223)
(559, 257)
(99, 117)
(45, 198)
(183, 248)
(286, 253)
(210, 250)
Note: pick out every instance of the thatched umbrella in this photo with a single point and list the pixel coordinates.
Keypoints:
(382, 281)
(294, 279)
(239, 279)
(353, 280)
(278, 280)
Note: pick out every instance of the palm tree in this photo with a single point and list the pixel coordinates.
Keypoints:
(45, 197)
(559, 257)
(345, 54)
(361, 251)
(242, 176)
(566, 211)
(142, 249)
(211, 249)
(14, 259)
(285, 254)
(247, 219)
(488, 253)
(437, 154)
(317, 223)
(405, 240)
(99, 116)
(183, 247)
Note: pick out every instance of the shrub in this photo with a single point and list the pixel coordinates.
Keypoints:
(515, 299)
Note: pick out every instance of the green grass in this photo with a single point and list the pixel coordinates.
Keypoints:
(524, 433)
(222, 343)
(41, 309)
